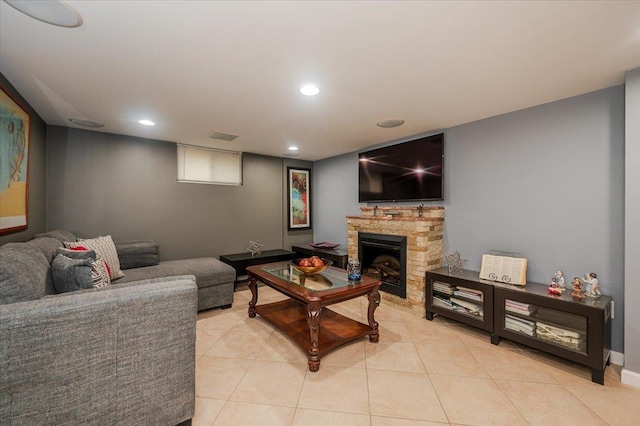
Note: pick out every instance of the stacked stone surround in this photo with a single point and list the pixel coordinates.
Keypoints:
(424, 245)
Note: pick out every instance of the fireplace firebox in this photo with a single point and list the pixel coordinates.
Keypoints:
(384, 257)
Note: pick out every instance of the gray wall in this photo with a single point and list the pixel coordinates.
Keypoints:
(36, 220)
(547, 182)
(100, 183)
(632, 225)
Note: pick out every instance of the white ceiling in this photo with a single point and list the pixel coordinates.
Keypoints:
(236, 67)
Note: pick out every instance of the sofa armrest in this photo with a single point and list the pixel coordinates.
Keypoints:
(137, 253)
(119, 356)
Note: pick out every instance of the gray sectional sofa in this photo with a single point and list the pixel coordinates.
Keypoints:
(123, 354)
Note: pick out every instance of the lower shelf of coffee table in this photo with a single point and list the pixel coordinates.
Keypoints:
(290, 317)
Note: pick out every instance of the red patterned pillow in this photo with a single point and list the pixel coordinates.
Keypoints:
(104, 248)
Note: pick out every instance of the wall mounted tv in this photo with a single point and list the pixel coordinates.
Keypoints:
(409, 171)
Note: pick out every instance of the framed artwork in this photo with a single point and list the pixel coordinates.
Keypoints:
(299, 198)
(14, 165)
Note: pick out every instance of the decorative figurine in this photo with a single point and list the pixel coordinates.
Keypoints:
(553, 287)
(255, 248)
(554, 291)
(559, 279)
(454, 262)
(594, 285)
(577, 291)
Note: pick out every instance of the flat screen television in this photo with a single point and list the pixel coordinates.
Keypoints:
(409, 171)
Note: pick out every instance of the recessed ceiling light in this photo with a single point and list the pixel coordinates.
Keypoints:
(309, 90)
(59, 12)
(293, 148)
(86, 123)
(392, 122)
(147, 122)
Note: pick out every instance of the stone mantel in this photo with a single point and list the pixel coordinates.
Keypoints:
(423, 228)
(400, 218)
(400, 213)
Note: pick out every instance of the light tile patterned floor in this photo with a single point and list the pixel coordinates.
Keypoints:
(421, 373)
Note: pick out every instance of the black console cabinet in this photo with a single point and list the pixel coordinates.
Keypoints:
(575, 329)
(578, 330)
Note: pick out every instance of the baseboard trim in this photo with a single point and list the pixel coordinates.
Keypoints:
(630, 378)
(616, 358)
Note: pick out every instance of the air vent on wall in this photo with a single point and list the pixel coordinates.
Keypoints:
(222, 136)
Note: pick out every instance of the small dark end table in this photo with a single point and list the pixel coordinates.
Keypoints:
(240, 261)
(340, 257)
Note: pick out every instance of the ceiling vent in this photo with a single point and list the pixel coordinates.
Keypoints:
(222, 136)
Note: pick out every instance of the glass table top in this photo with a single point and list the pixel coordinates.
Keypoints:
(328, 279)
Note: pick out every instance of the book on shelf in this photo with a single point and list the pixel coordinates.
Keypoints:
(466, 306)
(506, 269)
(443, 288)
(458, 305)
(468, 293)
(520, 325)
(518, 307)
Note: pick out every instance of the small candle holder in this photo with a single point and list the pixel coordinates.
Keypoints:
(353, 271)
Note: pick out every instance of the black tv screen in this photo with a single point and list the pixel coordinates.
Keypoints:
(409, 171)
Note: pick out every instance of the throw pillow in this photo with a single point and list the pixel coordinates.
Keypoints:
(100, 273)
(99, 269)
(71, 274)
(105, 249)
(77, 253)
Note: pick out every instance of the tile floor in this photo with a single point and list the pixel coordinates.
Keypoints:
(421, 373)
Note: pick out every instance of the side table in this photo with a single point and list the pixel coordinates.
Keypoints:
(240, 261)
(340, 257)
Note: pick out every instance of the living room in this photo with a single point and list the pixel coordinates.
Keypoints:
(552, 180)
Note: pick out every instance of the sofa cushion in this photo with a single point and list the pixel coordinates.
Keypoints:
(207, 270)
(59, 234)
(48, 246)
(104, 248)
(144, 273)
(137, 253)
(24, 273)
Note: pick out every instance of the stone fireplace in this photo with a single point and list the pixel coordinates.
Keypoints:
(410, 235)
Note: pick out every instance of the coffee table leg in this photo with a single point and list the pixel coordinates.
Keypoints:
(253, 286)
(313, 319)
(374, 302)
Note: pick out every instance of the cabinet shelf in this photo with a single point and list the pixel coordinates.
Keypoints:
(479, 313)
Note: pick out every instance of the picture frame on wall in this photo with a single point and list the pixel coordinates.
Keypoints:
(299, 198)
(14, 164)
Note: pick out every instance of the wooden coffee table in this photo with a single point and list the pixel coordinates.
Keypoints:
(304, 317)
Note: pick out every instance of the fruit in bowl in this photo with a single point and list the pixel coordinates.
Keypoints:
(311, 265)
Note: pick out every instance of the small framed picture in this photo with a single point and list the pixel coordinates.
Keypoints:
(299, 198)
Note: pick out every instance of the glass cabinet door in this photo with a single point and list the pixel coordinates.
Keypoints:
(549, 325)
